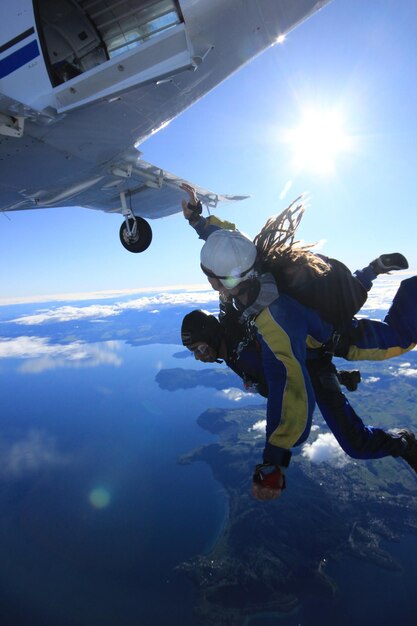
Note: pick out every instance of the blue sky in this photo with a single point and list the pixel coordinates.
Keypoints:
(358, 59)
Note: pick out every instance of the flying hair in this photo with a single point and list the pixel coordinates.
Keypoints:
(281, 254)
(320, 283)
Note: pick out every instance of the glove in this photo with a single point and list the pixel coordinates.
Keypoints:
(349, 378)
(196, 209)
(268, 482)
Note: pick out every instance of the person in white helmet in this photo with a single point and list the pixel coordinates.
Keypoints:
(290, 333)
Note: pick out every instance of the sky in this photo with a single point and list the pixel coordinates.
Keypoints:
(353, 65)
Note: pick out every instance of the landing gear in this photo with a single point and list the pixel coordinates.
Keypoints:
(135, 234)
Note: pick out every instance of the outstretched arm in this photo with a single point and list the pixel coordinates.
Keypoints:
(192, 208)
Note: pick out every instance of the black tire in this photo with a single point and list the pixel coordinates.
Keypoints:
(143, 238)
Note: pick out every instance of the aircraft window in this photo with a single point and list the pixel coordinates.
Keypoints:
(125, 24)
(80, 34)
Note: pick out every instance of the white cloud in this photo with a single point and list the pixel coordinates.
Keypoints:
(234, 394)
(42, 355)
(97, 295)
(68, 314)
(258, 427)
(383, 290)
(379, 297)
(325, 449)
(406, 372)
(94, 312)
(371, 379)
(33, 452)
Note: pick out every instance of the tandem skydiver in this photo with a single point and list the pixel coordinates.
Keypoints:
(292, 337)
(211, 341)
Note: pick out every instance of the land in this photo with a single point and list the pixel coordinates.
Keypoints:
(180, 378)
(271, 554)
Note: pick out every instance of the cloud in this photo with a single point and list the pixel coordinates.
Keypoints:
(68, 314)
(259, 428)
(33, 452)
(95, 312)
(383, 291)
(379, 297)
(234, 394)
(42, 355)
(406, 371)
(96, 295)
(371, 379)
(325, 449)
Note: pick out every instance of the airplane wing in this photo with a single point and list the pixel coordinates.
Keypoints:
(129, 186)
(82, 81)
(149, 191)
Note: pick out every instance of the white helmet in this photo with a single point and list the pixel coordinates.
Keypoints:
(229, 256)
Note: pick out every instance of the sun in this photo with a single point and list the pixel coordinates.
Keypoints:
(318, 140)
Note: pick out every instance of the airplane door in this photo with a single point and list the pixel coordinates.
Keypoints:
(94, 50)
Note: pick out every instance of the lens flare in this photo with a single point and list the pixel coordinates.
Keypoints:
(99, 498)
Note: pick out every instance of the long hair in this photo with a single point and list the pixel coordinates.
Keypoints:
(283, 256)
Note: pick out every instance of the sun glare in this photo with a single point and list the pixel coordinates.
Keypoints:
(318, 140)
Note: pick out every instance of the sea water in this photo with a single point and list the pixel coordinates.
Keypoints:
(96, 512)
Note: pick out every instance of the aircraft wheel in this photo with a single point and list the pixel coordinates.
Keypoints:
(141, 240)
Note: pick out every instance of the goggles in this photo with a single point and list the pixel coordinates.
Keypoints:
(228, 281)
(201, 349)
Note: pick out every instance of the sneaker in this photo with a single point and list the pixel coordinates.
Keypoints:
(389, 262)
(410, 441)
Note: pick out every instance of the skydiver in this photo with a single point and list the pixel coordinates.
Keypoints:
(212, 341)
(290, 333)
(295, 268)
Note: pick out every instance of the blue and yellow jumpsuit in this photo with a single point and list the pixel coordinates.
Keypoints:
(297, 375)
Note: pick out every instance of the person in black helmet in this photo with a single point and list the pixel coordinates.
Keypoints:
(213, 342)
(210, 342)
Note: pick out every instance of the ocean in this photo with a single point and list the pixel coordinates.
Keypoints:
(96, 513)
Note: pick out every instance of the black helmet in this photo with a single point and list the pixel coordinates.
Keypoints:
(201, 326)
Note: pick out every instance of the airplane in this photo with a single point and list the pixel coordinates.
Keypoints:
(83, 83)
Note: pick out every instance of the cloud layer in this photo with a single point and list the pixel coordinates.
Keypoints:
(41, 354)
(70, 313)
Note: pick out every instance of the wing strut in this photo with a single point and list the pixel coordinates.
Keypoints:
(130, 218)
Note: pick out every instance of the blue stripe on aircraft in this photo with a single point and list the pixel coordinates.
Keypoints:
(20, 57)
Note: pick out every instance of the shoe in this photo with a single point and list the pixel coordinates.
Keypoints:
(410, 453)
(389, 262)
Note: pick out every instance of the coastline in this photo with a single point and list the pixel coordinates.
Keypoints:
(250, 573)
